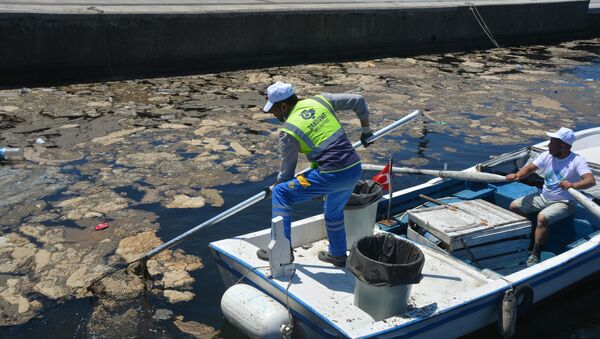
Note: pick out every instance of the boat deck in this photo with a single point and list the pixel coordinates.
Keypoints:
(329, 291)
(453, 298)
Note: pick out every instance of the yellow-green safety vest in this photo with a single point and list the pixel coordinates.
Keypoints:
(313, 123)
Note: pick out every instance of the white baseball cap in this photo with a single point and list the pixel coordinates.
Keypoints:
(277, 92)
(564, 134)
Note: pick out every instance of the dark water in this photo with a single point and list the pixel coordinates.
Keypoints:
(589, 72)
(574, 313)
(567, 315)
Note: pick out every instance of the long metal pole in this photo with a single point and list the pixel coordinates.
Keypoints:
(460, 175)
(260, 196)
(482, 177)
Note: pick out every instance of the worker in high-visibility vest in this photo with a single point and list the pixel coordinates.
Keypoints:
(312, 128)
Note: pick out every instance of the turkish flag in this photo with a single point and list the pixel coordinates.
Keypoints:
(383, 177)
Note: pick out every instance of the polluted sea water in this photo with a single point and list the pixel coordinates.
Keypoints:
(155, 157)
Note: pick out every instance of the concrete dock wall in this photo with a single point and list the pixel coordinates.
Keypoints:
(50, 48)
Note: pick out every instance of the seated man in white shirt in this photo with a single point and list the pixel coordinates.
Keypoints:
(562, 170)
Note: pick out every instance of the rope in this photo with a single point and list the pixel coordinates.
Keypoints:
(510, 283)
(250, 270)
(482, 23)
(469, 252)
(287, 304)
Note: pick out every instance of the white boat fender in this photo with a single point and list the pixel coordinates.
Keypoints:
(515, 300)
(508, 317)
(254, 313)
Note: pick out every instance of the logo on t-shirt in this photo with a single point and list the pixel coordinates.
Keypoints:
(553, 179)
(556, 170)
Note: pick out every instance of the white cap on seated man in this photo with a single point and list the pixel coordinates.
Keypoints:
(566, 135)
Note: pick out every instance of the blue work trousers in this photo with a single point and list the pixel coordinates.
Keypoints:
(337, 186)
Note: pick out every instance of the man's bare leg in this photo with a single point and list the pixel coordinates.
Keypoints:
(514, 208)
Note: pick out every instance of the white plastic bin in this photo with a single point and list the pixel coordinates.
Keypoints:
(359, 222)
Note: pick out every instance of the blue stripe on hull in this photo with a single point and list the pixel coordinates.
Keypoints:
(496, 296)
(490, 300)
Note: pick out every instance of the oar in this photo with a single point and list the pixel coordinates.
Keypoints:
(260, 196)
(591, 206)
(481, 177)
(460, 175)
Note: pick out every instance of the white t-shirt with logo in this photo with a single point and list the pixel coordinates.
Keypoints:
(556, 170)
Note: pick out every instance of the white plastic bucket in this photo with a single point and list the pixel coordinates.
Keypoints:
(359, 222)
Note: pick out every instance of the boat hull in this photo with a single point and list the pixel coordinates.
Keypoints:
(476, 306)
(545, 279)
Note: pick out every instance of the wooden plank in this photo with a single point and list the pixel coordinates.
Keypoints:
(493, 235)
(438, 220)
(480, 238)
(416, 216)
(416, 237)
(495, 215)
(470, 221)
(486, 235)
(495, 249)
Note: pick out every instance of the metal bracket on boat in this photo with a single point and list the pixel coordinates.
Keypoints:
(286, 331)
(280, 251)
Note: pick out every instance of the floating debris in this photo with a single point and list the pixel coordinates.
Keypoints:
(127, 151)
(101, 226)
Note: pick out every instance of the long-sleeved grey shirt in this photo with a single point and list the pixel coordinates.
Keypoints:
(289, 147)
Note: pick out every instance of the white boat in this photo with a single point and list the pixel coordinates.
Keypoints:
(460, 291)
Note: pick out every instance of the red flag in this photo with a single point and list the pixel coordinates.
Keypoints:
(383, 177)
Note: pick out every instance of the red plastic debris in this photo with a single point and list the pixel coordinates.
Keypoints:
(101, 226)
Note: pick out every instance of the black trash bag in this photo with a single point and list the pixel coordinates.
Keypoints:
(365, 193)
(386, 260)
